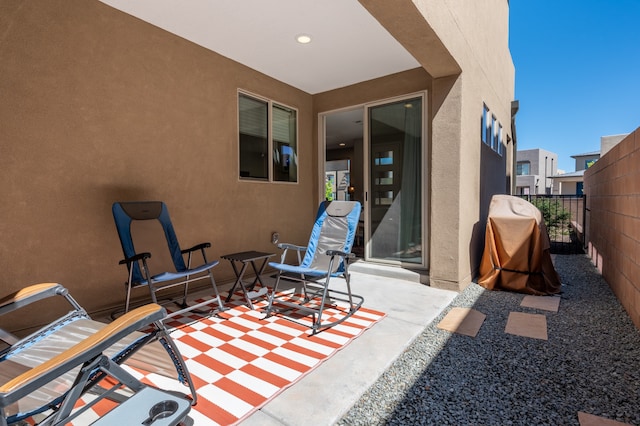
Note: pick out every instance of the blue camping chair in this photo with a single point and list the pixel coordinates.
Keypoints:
(44, 375)
(177, 272)
(326, 256)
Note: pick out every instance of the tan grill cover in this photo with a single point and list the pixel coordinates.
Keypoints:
(516, 250)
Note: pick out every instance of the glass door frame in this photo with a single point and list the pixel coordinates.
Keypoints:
(424, 174)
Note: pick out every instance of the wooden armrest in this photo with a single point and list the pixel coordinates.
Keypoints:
(29, 295)
(89, 348)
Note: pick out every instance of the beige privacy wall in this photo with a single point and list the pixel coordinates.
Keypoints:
(612, 186)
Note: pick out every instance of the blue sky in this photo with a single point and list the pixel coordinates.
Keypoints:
(577, 73)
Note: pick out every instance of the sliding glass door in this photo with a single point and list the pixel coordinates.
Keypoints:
(395, 164)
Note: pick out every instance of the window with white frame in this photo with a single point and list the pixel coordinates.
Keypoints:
(268, 136)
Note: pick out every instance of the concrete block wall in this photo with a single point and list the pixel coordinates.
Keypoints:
(612, 186)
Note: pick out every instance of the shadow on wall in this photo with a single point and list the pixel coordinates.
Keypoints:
(491, 183)
(476, 247)
(114, 193)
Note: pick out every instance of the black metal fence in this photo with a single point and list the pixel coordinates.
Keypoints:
(564, 217)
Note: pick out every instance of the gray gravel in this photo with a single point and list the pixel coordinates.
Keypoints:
(591, 363)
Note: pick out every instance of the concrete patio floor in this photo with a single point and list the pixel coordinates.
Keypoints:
(326, 394)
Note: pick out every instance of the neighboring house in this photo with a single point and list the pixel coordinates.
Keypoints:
(534, 170)
(608, 142)
(568, 183)
(586, 160)
(573, 183)
(99, 105)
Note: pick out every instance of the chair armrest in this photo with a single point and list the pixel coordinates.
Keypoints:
(285, 246)
(24, 297)
(83, 351)
(340, 253)
(200, 246)
(139, 256)
(30, 294)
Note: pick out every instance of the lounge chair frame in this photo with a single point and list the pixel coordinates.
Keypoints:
(326, 256)
(139, 273)
(121, 339)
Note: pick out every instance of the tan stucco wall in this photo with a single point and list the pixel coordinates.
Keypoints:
(612, 187)
(445, 182)
(477, 35)
(97, 107)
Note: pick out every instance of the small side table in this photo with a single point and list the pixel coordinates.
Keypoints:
(247, 258)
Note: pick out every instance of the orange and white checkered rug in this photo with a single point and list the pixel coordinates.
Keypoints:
(239, 360)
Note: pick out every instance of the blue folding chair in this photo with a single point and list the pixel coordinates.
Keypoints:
(126, 214)
(326, 256)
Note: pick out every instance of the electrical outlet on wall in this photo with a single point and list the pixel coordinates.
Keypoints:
(275, 237)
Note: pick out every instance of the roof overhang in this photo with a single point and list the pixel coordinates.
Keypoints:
(348, 44)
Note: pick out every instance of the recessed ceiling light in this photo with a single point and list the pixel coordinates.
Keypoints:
(342, 144)
(303, 38)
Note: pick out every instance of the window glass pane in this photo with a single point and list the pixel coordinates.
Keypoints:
(494, 130)
(384, 198)
(484, 124)
(522, 168)
(285, 147)
(254, 144)
(384, 158)
(384, 178)
(395, 172)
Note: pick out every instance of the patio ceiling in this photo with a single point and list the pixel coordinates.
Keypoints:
(348, 45)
